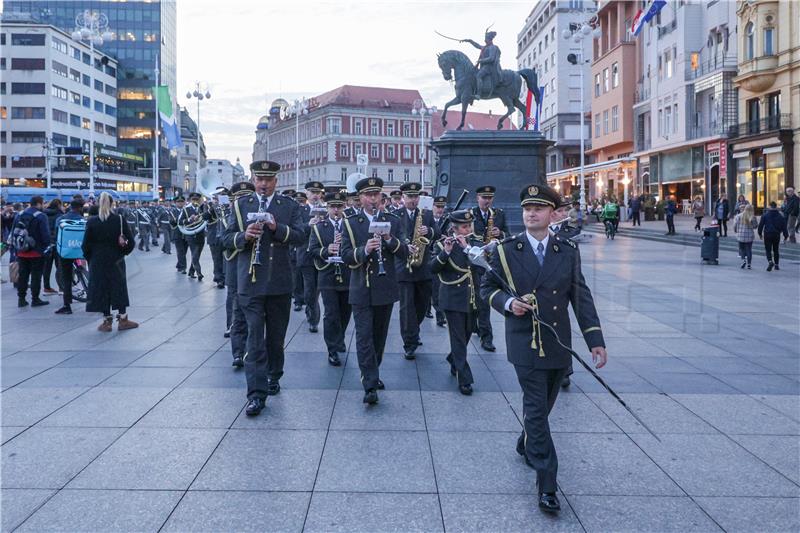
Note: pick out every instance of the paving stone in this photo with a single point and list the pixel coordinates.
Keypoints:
(106, 407)
(726, 365)
(620, 381)
(713, 465)
(18, 504)
(745, 515)
(14, 375)
(382, 461)
(682, 383)
(641, 513)
(103, 510)
(660, 412)
(101, 359)
(788, 405)
(274, 459)
(438, 378)
(573, 412)
(69, 377)
(179, 358)
(398, 410)
(291, 409)
(46, 458)
(482, 411)
(152, 459)
(395, 379)
(26, 406)
(345, 512)
(9, 432)
(240, 511)
(196, 408)
(762, 384)
(147, 377)
(509, 513)
(780, 452)
(738, 414)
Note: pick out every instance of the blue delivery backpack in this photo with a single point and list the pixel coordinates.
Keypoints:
(70, 238)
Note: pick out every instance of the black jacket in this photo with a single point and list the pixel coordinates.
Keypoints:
(459, 281)
(772, 223)
(792, 206)
(498, 219)
(407, 223)
(331, 276)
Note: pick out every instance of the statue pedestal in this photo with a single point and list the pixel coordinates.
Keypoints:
(509, 160)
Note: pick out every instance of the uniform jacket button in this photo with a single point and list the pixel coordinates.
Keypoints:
(555, 323)
(555, 307)
(555, 291)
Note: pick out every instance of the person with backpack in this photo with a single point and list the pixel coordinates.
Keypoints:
(74, 214)
(30, 238)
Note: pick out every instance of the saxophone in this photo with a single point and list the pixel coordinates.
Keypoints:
(487, 235)
(415, 260)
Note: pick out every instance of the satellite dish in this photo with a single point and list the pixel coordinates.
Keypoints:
(284, 112)
(352, 179)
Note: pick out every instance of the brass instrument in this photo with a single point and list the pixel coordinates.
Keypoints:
(487, 234)
(194, 225)
(415, 259)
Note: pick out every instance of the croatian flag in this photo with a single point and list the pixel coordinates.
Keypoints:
(644, 15)
(169, 125)
(531, 115)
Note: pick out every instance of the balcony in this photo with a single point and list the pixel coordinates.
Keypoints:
(709, 66)
(641, 94)
(701, 131)
(765, 125)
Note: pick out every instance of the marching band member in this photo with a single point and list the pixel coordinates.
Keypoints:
(190, 215)
(143, 224)
(458, 292)
(373, 286)
(545, 269)
(397, 200)
(490, 224)
(305, 262)
(333, 276)
(168, 220)
(179, 238)
(414, 280)
(439, 204)
(213, 217)
(264, 280)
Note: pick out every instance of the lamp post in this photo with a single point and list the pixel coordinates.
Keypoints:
(578, 32)
(91, 26)
(420, 109)
(298, 108)
(198, 95)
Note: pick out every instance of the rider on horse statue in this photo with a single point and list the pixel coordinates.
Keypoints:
(488, 65)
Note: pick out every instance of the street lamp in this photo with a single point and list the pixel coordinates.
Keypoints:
(298, 108)
(420, 109)
(578, 32)
(198, 95)
(91, 26)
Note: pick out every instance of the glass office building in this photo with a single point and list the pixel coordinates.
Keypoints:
(143, 30)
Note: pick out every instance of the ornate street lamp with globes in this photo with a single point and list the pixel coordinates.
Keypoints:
(198, 95)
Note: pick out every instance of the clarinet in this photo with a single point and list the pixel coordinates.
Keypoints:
(337, 239)
(257, 258)
(381, 269)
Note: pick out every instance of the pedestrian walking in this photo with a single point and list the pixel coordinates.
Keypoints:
(791, 210)
(108, 239)
(744, 225)
(770, 228)
(721, 214)
(699, 211)
(669, 211)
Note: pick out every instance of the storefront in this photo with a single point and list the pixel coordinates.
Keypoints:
(680, 174)
(602, 180)
(763, 172)
(716, 171)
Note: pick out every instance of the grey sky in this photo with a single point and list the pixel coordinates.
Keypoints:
(251, 52)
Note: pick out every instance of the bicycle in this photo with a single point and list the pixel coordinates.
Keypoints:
(80, 280)
(611, 229)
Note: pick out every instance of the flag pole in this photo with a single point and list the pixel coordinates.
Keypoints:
(156, 148)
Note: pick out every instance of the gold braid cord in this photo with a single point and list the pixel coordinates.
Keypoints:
(530, 299)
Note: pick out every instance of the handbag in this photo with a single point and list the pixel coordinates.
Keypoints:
(13, 272)
(121, 240)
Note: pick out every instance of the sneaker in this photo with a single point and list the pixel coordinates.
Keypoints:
(22, 302)
(38, 302)
(770, 266)
(744, 264)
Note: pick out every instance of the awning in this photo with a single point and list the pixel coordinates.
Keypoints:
(740, 155)
(594, 167)
(772, 149)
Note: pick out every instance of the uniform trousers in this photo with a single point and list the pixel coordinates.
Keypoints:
(336, 318)
(459, 326)
(372, 326)
(235, 321)
(310, 294)
(219, 262)
(297, 281)
(435, 298)
(167, 246)
(180, 250)
(267, 319)
(144, 237)
(484, 317)
(195, 244)
(414, 299)
(539, 392)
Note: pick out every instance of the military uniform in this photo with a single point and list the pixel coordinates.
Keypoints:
(414, 282)
(168, 219)
(305, 263)
(481, 225)
(372, 295)
(179, 239)
(333, 281)
(458, 297)
(297, 277)
(264, 290)
(437, 222)
(213, 229)
(194, 242)
(539, 361)
(143, 225)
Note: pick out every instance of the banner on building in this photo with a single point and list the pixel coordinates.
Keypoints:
(169, 123)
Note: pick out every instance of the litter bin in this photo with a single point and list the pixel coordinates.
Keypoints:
(709, 246)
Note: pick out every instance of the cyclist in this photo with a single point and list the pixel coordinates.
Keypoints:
(610, 217)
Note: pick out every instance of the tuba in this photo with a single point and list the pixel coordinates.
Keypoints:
(421, 242)
(194, 225)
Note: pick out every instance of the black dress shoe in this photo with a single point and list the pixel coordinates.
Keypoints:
(548, 502)
(466, 390)
(273, 388)
(371, 397)
(238, 362)
(333, 359)
(521, 446)
(428, 315)
(38, 302)
(254, 407)
(565, 382)
(227, 334)
(191, 275)
(22, 302)
(298, 307)
(220, 284)
(488, 346)
(381, 386)
(66, 310)
(313, 329)
(409, 355)
(441, 323)
(199, 277)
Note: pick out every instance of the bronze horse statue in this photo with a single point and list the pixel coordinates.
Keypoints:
(458, 66)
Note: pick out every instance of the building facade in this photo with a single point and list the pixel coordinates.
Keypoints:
(187, 154)
(228, 173)
(142, 32)
(764, 145)
(540, 46)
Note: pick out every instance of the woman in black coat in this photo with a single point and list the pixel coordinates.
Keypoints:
(106, 251)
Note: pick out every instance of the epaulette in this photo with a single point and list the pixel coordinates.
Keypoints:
(353, 215)
(508, 239)
(392, 214)
(566, 240)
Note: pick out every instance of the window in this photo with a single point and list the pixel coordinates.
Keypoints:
(59, 92)
(406, 152)
(406, 174)
(74, 75)
(86, 123)
(111, 71)
(373, 127)
(334, 125)
(3, 42)
(111, 110)
(98, 127)
(27, 39)
(87, 102)
(75, 142)
(98, 85)
(27, 162)
(605, 80)
(28, 137)
(75, 98)
(3, 112)
(29, 63)
(768, 50)
(132, 132)
(668, 63)
(615, 118)
(3, 139)
(358, 127)
(667, 120)
(111, 90)
(87, 80)
(374, 151)
(344, 150)
(2, 63)
(98, 106)
(390, 174)
(27, 88)
(406, 129)
(141, 93)
(343, 174)
(553, 59)
(27, 112)
(60, 116)
(374, 172)
(749, 41)
(390, 152)
(615, 75)
(111, 130)
(390, 129)
(59, 45)
(76, 54)
(75, 120)
(596, 85)
(85, 58)
(2, 87)
(605, 122)
(60, 139)
(597, 125)
(358, 149)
